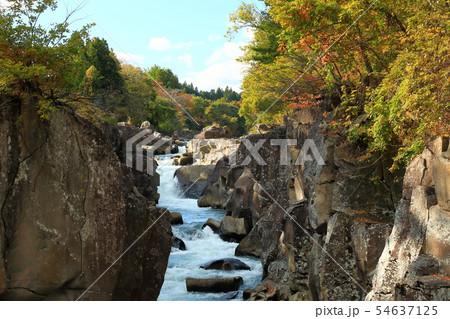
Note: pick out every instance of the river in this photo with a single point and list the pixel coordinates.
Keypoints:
(201, 245)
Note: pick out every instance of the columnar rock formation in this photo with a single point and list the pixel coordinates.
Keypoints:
(69, 208)
(345, 230)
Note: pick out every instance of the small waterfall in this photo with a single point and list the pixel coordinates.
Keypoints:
(202, 245)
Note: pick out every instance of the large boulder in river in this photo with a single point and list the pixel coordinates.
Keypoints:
(214, 284)
(227, 264)
(192, 179)
(210, 151)
(178, 243)
(233, 229)
(176, 218)
(68, 213)
(183, 159)
(213, 224)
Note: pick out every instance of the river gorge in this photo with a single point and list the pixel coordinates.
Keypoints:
(79, 223)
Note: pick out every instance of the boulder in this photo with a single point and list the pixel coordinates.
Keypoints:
(213, 224)
(441, 177)
(251, 245)
(183, 159)
(437, 238)
(147, 125)
(192, 179)
(176, 218)
(178, 243)
(233, 229)
(216, 193)
(174, 149)
(227, 264)
(214, 284)
(215, 131)
(246, 294)
(210, 151)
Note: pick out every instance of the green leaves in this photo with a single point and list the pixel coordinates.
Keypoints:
(387, 75)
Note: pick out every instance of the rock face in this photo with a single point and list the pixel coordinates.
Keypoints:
(193, 178)
(213, 224)
(214, 284)
(178, 243)
(176, 218)
(251, 245)
(214, 131)
(227, 264)
(415, 263)
(233, 229)
(210, 151)
(69, 209)
(183, 159)
(342, 229)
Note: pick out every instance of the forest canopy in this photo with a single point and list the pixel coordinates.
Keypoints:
(63, 68)
(382, 67)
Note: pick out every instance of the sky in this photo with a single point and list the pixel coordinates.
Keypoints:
(187, 36)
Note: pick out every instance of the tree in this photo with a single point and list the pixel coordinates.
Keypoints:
(34, 59)
(165, 77)
(226, 114)
(387, 68)
(163, 115)
(139, 95)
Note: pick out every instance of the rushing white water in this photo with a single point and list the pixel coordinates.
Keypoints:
(201, 245)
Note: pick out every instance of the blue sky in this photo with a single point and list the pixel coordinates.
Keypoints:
(186, 36)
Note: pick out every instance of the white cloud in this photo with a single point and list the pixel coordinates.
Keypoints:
(186, 60)
(164, 44)
(188, 45)
(230, 50)
(229, 73)
(214, 38)
(160, 44)
(129, 58)
(222, 69)
(4, 3)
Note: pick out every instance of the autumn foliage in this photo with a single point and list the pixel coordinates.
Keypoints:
(382, 67)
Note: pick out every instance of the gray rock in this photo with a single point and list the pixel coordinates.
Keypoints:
(227, 264)
(441, 177)
(69, 210)
(437, 238)
(178, 243)
(146, 125)
(233, 229)
(215, 131)
(176, 218)
(214, 284)
(183, 159)
(251, 245)
(192, 179)
(213, 224)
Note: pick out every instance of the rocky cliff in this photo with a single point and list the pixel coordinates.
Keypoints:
(69, 208)
(342, 230)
